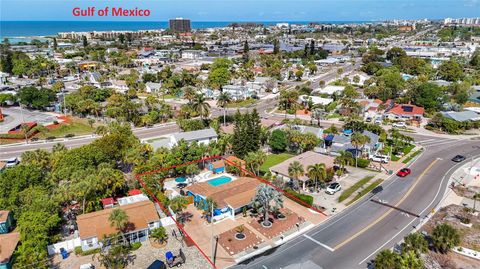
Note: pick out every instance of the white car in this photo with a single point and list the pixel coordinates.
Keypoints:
(378, 121)
(333, 188)
(379, 158)
(400, 124)
(12, 162)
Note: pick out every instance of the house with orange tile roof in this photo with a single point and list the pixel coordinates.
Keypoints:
(94, 227)
(405, 112)
(8, 244)
(230, 197)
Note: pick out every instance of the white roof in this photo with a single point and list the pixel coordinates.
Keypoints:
(330, 89)
(317, 99)
(132, 199)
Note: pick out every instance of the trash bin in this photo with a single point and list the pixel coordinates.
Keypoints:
(390, 172)
(64, 253)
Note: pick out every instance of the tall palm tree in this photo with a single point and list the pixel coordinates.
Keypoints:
(255, 160)
(344, 158)
(359, 140)
(200, 106)
(295, 170)
(222, 101)
(317, 172)
(189, 93)
(262, 201)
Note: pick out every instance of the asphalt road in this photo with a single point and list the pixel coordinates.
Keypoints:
(353, 237)
(9, 151)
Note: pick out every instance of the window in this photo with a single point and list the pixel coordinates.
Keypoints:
(151, 225)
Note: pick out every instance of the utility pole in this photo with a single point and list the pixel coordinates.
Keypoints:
(212, 239)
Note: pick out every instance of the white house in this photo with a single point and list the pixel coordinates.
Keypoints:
(316, 100)
(204, 136)
(192, 54)
(330, 89)
(152, 87)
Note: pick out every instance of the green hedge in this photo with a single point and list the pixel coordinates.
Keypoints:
(135, 245)
(363, 163)
(79, 251)
(308, 199)
(346, 193)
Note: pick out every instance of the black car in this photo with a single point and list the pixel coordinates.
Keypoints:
(458, 158)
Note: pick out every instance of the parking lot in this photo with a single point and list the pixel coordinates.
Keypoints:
(14, 116)
(330, 202)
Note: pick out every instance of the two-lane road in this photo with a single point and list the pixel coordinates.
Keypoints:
(353, 237)
(15, 150)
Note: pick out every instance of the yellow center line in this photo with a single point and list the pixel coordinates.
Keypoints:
(388, 211)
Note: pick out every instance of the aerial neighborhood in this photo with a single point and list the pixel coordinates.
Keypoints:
(225, 146)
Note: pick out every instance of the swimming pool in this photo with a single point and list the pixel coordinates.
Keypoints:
(219, 180)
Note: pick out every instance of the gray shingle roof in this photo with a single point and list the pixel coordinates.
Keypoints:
(196, 135)
(462, 116)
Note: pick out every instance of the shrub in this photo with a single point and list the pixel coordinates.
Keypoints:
(308, 199)
(363, 163)
(78, 250)
(135, 245)
(69, 135)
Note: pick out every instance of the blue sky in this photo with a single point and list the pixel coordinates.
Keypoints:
(247, 10)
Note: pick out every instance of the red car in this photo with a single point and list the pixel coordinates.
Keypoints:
(404, 172)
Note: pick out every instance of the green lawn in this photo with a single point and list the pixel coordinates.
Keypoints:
(346, 193)
(274, 159)
(76, 127)
(413, 155)
(242, 103)
(366, 190)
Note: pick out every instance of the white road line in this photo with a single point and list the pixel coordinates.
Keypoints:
(427, 140)
(408, 225)
(438, 142)
(446, 142)
(319, 243)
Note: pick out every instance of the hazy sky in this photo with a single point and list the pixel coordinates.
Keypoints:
(247, 10)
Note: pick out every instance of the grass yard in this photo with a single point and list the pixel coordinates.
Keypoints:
(274, 159)
(368, 189)
(348, 192)
(413, 155)
(76, 127)
(242, 103)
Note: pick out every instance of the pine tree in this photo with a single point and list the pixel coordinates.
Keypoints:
(55, 44)
(246, 49)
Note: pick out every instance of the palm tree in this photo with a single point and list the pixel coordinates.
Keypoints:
(358, 141)
(386, 259)
(222, 101)
(445, 237)
(200, 106)
(262, 201)
(159, 234)
(317, 172)
(295, 170)
(345, 158)
(415, 242)
(118, 219)
(189, 93)
(255, 160)
(178, 204)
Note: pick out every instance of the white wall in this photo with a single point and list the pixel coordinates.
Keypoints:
(68, 245)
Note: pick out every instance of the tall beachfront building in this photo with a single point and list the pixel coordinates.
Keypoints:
(180, 25)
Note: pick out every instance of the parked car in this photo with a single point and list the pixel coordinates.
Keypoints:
(379, 158)
(12, 162)
(333, 188)
(157, 264)
(399, 124)
(459, 158)
(378, 121)
(404, 172)
(87, 266)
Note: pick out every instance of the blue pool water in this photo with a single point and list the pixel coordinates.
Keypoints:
(219, 180)
(180, 179)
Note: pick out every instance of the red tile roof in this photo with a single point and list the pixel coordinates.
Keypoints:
(407, 109)
(134, 192)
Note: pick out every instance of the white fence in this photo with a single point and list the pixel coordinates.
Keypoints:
(68, 245)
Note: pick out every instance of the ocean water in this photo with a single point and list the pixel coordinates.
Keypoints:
(22, 29)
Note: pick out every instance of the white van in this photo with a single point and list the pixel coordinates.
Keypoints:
(379, 158)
